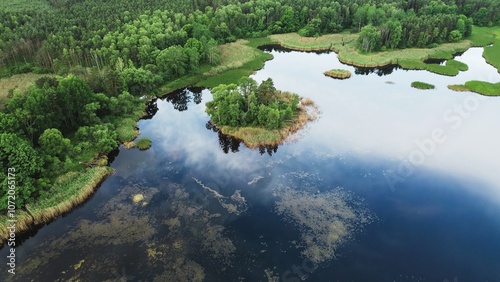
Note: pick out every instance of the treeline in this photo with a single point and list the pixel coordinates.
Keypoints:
(52, 128)
(92, 33)
(251, 104)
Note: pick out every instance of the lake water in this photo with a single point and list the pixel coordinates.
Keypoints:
(391, 183)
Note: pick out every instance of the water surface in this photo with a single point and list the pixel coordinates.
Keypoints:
(365, 193)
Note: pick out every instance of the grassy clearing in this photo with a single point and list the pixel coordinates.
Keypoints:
(422, 85)
(69, 191)
(143, 144)
(338, 73)
(326, 42)
(16, 82)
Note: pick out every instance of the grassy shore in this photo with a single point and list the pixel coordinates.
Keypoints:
(254, 137)
(69, 191)
(489, 38)
(238, 59)
(422, 85)
(338, 73)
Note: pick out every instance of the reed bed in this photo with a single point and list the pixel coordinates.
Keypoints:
(69, 191)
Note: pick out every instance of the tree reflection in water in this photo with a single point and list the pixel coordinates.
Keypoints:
(228, 143)
(180, 98)
(380, 71)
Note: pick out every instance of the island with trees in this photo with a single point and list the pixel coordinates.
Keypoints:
(258, 114)
(76, 76)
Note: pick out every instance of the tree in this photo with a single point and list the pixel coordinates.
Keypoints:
(53, 143)
(18, 154)
(369, 39)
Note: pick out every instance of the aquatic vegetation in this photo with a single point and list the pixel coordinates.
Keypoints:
(483, 87)
(458, 88)
(325, 220)
(235, 204)
(143, 144)
(137, 198)
(422, 85)
(338, 73)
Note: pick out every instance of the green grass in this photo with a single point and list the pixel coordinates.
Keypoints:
(143, 144)
(125, 128)
(422, 85)
(457, 65)
(483, 88)
(442, 70)
(338, 73)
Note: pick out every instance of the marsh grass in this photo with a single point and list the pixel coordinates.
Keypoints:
(143, 144)
(126, 129)
(483, 87)
(338, 73)
(422, 85)
(458, 88)
(457, 65)
(442, 70)
(69, 190)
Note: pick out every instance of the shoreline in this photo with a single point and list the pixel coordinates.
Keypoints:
(341, 44)
(33, 216)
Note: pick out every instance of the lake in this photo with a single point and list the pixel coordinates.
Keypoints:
(390, 183)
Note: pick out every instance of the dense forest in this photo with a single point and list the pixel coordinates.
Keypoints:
(108, 54)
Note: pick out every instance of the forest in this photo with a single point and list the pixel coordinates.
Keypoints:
(108, 55)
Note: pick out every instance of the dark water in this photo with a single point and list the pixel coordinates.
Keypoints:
(389, 184)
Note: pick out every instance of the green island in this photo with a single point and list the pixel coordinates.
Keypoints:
(338, 73)
(258, 114)
(76, 76)
(422, 85)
